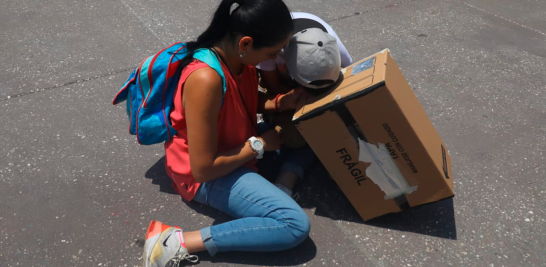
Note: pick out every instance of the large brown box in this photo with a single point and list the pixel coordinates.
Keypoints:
(375, 139)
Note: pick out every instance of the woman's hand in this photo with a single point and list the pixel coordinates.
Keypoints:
(271, 140)
(290, 100)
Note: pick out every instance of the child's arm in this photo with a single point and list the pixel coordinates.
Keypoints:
(268, 103)
(272, 80)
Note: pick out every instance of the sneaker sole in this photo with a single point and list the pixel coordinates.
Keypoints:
(156, 230)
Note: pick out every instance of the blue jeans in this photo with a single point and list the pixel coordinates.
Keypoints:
(266, 218)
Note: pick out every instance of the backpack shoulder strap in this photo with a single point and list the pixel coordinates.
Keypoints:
(207, 56)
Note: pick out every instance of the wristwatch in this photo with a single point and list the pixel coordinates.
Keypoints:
(257, 146)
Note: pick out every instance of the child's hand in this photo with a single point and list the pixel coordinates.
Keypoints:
(290, 100)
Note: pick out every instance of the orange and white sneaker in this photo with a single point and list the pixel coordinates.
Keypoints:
(164, 246)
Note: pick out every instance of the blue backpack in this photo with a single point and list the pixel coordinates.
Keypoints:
(150, 89)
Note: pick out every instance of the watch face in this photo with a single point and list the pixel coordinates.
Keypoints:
(258, 145)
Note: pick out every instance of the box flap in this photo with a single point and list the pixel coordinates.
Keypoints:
(358, 79)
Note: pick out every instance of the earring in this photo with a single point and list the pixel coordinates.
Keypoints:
(242, 54)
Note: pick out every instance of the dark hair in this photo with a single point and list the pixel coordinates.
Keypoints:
(268, 22)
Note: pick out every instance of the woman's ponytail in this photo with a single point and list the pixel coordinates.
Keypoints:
(217, 29)
(266, 21)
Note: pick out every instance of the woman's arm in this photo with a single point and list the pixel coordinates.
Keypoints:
(202, 98)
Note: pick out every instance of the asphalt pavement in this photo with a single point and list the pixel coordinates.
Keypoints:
(77, 190)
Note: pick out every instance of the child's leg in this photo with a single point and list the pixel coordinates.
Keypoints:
(297, 155)
(297, 160)
(268, 220)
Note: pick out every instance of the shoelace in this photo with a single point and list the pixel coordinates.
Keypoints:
(180, 257)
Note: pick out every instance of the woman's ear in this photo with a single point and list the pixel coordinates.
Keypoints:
(245, 43)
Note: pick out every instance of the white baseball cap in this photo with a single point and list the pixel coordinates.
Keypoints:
(312, 58)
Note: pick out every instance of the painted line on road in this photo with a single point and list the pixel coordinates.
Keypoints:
(147, 26)
(501, 17)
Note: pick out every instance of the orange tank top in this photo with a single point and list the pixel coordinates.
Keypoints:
(234, 126)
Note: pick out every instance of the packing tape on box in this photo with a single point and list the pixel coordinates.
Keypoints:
(383, 170)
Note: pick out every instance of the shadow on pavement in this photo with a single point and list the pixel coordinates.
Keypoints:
(299, 255)
(319, 190)
(159, 177)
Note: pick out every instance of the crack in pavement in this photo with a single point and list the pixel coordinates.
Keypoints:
(65, 84)
(135, 14)
(372, 10)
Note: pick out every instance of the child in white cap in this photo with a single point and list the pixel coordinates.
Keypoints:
(273, 72)
(312, 59)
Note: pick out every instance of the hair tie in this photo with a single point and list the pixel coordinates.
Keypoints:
(234, 6)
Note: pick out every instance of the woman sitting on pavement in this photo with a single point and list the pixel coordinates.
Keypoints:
(212, 158)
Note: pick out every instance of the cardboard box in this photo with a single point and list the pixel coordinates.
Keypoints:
(375, 139)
